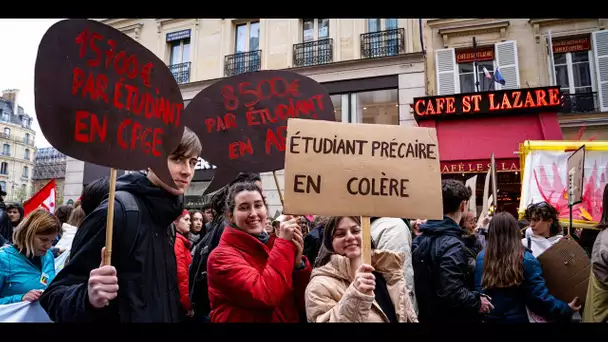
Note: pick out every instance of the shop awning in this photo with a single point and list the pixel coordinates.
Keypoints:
(471, 141)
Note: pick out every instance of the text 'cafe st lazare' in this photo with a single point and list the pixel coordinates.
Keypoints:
(473, 126)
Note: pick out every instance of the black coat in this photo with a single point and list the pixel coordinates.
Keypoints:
(441, 274)
(147, 274)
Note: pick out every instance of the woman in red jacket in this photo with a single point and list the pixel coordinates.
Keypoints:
(254, 277)
(184, 259)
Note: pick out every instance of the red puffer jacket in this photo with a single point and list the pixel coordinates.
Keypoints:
(184, 259)
(253, 282)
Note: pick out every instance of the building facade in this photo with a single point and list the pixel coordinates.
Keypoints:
(372, 68)
(18, 148)
(49, 164)
(571, 54)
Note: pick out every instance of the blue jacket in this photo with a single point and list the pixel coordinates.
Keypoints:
(510, 303)
(18, 275)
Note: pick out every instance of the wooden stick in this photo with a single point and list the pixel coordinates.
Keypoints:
(110, 217)
(276, 182)
(366, 239)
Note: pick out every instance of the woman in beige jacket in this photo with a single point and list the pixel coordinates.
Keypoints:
(343, 289)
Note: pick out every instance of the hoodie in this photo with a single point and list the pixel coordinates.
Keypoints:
(142, 254)
(539, 244)
(441, 275)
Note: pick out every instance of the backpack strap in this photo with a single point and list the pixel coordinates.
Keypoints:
(529, 239)
(131, 219)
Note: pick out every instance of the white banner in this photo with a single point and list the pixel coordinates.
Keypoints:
(23, 312)
(60, 261)
(546, 179)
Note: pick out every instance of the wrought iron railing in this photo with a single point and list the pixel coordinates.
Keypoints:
(22, 140)
(181, 72)
(242, 62)
(383, 43)
(313, 53)
(580, 103)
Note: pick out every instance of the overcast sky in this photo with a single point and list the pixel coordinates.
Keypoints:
(19, 39)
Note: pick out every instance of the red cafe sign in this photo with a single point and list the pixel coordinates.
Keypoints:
(479, 166)
(571, 44)
(514, 101)
(468, 55)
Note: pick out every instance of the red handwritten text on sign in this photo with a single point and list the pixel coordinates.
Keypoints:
(145, 102)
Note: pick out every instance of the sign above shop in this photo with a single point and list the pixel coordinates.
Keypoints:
(572, 44)
(479, 166)
(513, 101)
(468, 55)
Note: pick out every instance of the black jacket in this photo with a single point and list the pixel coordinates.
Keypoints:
(441, 273)
(313, 242)
(147, 274)
(6, 226)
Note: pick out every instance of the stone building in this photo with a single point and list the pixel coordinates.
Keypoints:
(18, 148)
(372, 68)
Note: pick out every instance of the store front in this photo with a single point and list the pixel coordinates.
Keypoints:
(472, 126)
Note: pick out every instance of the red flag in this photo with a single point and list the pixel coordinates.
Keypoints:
(45, 199)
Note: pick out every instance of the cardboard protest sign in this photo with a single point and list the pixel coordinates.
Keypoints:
(576, 176)
(103, 98)
(242, 120)
(337, 169)
(566, 269)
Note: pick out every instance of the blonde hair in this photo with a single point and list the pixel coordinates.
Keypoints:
(38, 222)
(76, 217)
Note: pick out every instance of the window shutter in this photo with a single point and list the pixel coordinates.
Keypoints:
(600, 54)
(447, 72)
(506, 59)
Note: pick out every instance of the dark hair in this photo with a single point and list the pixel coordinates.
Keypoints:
(604, 220)
(63, 213)
(76, 217)
(246, 177)
(503, 265)
(207, 206)
(454, 192)
(523, 224)
(327, 249)
(190, 145)
(237, 188)
(545, 211)
(218, 199)
(93, 194)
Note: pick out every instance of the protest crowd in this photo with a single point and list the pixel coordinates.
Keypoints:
(128, 251)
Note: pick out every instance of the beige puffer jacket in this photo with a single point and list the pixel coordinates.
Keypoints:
(331, 297)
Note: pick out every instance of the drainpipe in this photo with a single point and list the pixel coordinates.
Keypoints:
(426, 91)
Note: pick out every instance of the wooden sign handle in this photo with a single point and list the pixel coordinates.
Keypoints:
(276, 182)
(110, 218)
(366, 240)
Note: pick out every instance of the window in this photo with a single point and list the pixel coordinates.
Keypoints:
(3, 185)
(6, 150)
(373, 107)
(382, 44)
(179, 59)
(26, 155)
(315, 29)
(468, 78)
(573, 72)
(4, 168)
(27, 138)
(26, 172)
(7, 132)
(246, 45)
(316, 47)
(5, 116)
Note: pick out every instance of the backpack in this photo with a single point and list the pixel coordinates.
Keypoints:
(197, 279)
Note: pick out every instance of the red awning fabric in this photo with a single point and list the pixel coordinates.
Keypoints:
(477, 138)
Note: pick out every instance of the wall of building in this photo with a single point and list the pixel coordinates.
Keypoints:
(74, 173)
(13, 181)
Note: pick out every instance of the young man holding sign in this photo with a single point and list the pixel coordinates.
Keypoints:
(440, 264)
(141, 283)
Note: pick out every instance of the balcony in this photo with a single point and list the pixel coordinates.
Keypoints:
(181, 72)
(313, 53)
(242, 62)
(22, 140)
(383, 43)
(580, 103)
